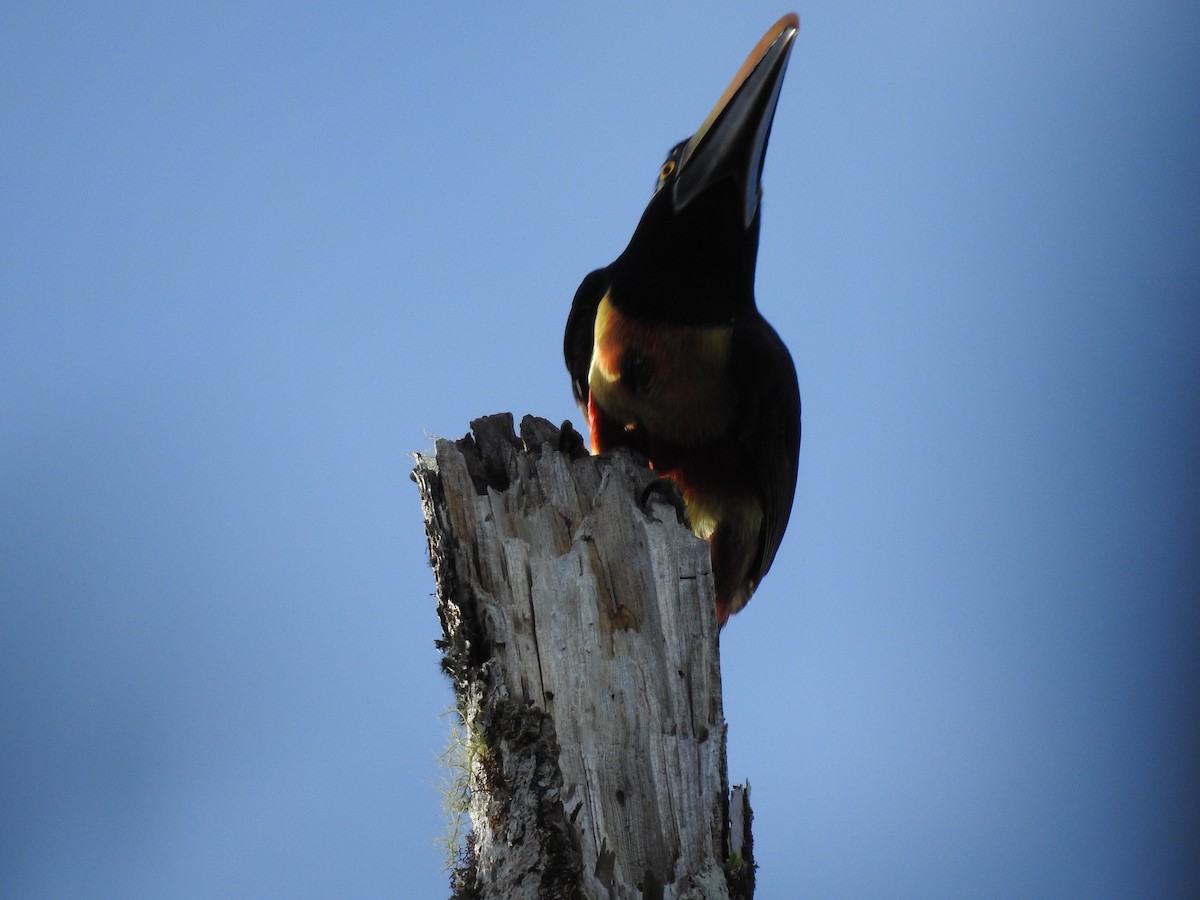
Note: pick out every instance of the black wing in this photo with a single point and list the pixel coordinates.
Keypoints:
(769, 409)
(581, 328)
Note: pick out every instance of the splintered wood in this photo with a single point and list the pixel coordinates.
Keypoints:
(580, 636)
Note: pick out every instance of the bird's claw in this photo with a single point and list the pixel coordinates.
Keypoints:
(668, 491)
(571, 442)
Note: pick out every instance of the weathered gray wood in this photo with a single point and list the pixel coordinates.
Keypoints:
(580, 635)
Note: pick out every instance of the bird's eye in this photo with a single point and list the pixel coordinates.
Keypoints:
(667, 168)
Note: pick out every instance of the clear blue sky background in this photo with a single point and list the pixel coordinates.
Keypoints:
(252, 255)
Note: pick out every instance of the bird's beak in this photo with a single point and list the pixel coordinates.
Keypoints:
(732, 141)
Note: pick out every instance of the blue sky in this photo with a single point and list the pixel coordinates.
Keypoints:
(252, 256)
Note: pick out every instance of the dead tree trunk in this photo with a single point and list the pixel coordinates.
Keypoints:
(580, 636)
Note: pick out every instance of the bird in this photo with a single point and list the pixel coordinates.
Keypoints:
(668, 353)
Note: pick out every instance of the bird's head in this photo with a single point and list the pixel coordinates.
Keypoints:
(692, 256)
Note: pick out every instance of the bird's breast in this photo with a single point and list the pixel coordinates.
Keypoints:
(672, 381)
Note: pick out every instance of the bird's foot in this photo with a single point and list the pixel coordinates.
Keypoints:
(571, 442)
(667, 491)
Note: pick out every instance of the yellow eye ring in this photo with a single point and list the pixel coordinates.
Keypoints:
(667, 168)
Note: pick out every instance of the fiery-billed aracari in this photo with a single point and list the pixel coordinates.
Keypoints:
(668, 353)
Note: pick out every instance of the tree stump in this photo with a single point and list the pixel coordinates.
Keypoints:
(580, 635)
